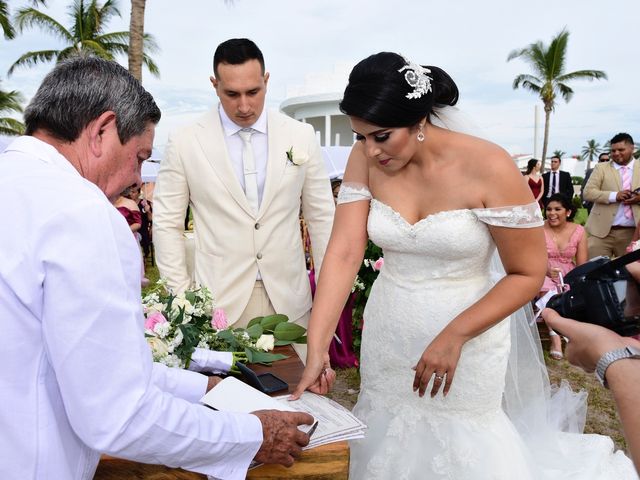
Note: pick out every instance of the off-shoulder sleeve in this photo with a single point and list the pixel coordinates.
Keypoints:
(353, 192)
(518, 216)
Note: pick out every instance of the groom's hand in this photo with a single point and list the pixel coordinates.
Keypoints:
(282, 442)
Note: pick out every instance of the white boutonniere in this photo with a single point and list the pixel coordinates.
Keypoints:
(295, 159)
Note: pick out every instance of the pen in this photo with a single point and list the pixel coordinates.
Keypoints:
(312, 429)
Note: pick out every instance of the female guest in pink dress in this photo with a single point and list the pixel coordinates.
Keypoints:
(566, 249)
(534, 180)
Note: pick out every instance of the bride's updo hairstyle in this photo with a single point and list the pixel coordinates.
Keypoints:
(379, 92)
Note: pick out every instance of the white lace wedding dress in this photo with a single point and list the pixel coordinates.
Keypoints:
(432, 271)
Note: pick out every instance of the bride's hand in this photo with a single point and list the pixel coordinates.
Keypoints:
(318, 377)
(439, 359)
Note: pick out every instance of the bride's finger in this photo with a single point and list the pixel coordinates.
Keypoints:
(438, 379)
(448, 381)
(424, 380)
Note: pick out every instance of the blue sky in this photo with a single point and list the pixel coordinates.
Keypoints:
(469, 39)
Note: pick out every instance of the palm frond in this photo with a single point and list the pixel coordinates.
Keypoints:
(565, 90)
(150, 44)
(119, 37)
(530, 79)
(30, 17)
(11, 101)
(33, 58)
(5, 22)
(583, 75)
(97, 49)
(556, 55)
(11, 126)
(151, 65)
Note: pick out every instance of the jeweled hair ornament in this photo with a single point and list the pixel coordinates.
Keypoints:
(416, 76)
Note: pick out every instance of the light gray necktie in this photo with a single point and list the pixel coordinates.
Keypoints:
(249, 169)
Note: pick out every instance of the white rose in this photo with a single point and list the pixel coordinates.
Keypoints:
(158, 347)
(299, 159)
(177, 340)
(265, 342)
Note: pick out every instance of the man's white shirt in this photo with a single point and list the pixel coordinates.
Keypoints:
(76, 375)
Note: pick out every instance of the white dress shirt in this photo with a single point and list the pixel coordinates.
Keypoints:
(620, 220)
(235, 146)
(76, 374)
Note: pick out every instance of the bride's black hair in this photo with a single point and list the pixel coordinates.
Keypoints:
(377, 92)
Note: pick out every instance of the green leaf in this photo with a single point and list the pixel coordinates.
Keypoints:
(190, 296)
(254, 321)
(255, 331)
(265, 358)
(288, 331)
(271, 321)
(280, 343)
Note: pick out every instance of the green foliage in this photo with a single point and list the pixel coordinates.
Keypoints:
(366, 277)
(85, 33)
(577, 180)
(10, 102)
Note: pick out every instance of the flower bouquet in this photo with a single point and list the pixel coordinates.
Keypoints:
(188, 331)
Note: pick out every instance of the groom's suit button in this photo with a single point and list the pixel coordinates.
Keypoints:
(257, 226)
(259, 256)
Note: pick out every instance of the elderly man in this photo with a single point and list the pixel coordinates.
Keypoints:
(612, 189)
(76, 375)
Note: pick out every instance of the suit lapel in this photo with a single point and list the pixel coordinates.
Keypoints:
(635, 176)
(210, 136)
(276, 162)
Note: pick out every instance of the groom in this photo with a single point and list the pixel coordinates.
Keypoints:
(246, 174)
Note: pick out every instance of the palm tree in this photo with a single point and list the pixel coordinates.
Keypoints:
(589, 151)
(85, 35)
(10, 102)
(559, 154)
(549, 78)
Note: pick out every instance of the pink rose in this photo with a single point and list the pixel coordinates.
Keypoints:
(219, 320)
(152, 320)
(378, 264)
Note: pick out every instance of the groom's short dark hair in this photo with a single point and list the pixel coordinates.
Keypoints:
(236, 51)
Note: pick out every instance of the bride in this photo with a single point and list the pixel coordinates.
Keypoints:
(453, 385)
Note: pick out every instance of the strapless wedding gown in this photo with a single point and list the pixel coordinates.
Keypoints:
(433, 270)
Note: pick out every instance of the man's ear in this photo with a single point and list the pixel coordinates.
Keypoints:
(266, 78)
(99, 130)
(214, 81)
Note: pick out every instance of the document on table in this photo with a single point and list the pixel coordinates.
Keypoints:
(335, 423)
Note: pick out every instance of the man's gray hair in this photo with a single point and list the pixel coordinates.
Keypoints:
(82, 88)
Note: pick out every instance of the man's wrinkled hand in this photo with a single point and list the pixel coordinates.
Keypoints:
(282, 441)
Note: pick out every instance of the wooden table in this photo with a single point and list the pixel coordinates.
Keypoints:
(327, 462)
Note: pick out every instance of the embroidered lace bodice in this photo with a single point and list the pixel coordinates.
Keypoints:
(433, 270)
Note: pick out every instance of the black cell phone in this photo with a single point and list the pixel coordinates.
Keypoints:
(265, 382)
(636, 191)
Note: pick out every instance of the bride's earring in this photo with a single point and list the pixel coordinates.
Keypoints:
(420, 135)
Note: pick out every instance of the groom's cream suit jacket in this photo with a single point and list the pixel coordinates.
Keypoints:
(231, 242)
(605, 179)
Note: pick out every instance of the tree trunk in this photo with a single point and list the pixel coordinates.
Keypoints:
(589, 161)
(136, 32)
(547, 117)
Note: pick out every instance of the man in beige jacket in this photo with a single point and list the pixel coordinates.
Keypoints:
(611, 188)
(247, 174)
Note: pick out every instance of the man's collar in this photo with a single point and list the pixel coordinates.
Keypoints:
(630, 164)
(231, 128)
(42, 150)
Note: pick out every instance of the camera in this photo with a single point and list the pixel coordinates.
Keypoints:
(603, 292)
